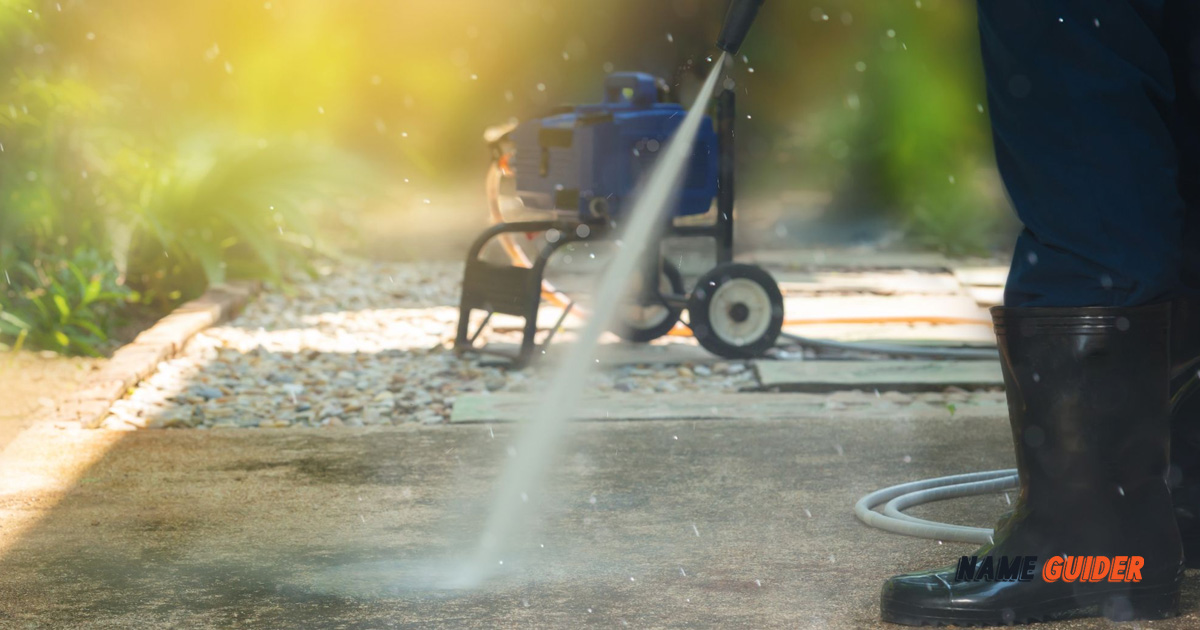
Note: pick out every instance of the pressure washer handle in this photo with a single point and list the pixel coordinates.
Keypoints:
(737, 24)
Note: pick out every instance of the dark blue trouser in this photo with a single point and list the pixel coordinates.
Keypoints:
(1095, 109)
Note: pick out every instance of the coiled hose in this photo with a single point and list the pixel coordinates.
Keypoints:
(896, 499)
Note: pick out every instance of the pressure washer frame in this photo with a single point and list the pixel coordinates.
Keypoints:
(517, 291)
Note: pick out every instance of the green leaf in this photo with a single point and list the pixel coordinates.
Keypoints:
(92, 291)
(40, 306)
(64, 309)
(14, 320)
(90, 327)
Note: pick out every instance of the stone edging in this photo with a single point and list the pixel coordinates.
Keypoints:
(140, 358)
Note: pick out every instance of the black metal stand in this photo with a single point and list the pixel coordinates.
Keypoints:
(518, 291)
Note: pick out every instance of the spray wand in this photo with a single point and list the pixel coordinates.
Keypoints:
(737, 24)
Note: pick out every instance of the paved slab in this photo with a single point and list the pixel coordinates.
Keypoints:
(876, 282)
(885, 375)
(650, 524)
(504, 407)
(847, 259)
(960, 335)
(874, 309)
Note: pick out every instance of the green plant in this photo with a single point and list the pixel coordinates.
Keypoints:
(215, 211)
(67, 305)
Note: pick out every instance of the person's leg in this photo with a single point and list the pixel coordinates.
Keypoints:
(1183, 43)
(1078, 92)
(1082, 97)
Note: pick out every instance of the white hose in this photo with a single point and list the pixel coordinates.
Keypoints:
(906, 495)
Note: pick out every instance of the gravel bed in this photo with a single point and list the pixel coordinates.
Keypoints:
(361, 344)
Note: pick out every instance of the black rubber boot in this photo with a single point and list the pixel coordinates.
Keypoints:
(1185, 425)
(1089, 408)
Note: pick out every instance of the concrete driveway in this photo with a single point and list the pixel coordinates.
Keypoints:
(647, 525)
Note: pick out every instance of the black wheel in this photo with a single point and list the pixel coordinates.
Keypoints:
(736, 311)
(644, 319)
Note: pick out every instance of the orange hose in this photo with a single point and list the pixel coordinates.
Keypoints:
(495, 173)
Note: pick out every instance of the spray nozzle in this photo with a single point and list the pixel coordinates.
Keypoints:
(737, 24)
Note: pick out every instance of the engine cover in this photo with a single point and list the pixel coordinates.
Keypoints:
(589, 159)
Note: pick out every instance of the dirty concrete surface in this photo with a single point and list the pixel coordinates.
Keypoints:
(650, 524)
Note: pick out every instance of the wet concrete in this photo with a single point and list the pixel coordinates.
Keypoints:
(649, 524)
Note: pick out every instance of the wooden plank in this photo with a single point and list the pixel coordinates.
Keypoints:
(987, 296)
(993, 276)
(817, 376)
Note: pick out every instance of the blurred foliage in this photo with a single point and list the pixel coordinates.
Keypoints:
(215, 210)
(112, 198)
(67, 305)
(188, 142)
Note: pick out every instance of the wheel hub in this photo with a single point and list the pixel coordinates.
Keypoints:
(740, 311)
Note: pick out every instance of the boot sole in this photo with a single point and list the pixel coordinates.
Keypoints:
(1159, 602)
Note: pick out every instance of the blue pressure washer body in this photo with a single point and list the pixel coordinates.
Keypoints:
(591, 157)
(582, 165)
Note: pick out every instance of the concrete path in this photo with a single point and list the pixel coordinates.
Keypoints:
(647, 524)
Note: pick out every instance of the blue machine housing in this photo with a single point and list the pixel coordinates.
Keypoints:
(590, 158)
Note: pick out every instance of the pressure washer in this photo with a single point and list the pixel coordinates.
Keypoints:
(580, 166)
